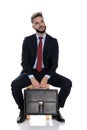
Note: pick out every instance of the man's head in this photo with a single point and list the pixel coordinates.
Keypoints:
(38, 22)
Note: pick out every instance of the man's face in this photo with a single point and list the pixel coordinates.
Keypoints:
(39, 25)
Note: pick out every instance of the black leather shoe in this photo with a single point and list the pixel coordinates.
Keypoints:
(58, 117)
(21, 117)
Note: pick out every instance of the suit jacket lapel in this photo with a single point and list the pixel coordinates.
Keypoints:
(34, 47)
(46, 47)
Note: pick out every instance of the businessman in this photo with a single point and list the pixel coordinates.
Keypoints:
(40, 54)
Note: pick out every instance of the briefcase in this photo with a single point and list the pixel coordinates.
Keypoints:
(40, 102)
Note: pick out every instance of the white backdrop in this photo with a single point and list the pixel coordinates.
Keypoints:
(67, 21)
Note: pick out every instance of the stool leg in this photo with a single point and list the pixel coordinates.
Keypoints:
(28, 117)
(47, 117)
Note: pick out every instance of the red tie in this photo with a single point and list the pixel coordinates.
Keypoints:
(39, 56)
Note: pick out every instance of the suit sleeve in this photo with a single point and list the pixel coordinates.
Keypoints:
(54, 58)
(25, 58)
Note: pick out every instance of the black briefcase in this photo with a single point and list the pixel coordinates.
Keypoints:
(40, 101)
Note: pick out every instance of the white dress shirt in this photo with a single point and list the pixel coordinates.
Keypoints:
(43, 42)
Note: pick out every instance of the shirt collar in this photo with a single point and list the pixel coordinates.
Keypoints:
(39, 36)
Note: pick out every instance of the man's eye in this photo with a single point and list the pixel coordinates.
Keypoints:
(36, 23)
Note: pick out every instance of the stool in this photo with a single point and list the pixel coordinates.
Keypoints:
(31, 87)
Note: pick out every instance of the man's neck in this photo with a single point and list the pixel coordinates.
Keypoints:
(41, 34)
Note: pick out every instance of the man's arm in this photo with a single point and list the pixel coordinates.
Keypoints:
(26, 64)
(25, 58)
(54, 58)
(53, 64)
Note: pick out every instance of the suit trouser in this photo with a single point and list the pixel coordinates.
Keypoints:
(56, 80)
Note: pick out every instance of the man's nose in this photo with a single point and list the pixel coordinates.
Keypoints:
(40, 24)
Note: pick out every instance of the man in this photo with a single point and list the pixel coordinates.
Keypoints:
(39, 62)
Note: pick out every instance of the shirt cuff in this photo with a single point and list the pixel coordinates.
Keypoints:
(30, 76)
(48, 76)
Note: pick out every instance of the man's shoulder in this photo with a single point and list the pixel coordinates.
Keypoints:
(30, 36)
(33, 36)
(29, 39)
(51, 37)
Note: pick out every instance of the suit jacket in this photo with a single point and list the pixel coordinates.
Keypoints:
(50, 54)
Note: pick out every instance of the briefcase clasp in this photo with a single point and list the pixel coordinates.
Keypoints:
(40, 103)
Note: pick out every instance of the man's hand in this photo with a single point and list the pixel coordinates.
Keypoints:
(35, 83)
(43, 83)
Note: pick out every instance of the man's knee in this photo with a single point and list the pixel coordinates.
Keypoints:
(14, 86)
(68, 85)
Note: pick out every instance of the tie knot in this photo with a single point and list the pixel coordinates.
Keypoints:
(40, 38)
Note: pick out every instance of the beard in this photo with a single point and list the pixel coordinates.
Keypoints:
(41, 31)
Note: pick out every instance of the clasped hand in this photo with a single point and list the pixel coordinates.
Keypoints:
(42, 84)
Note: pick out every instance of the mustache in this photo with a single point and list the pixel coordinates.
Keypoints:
(37, 30)
(41, 27)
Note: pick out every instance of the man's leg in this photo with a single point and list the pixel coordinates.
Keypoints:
(20, 82)
(65, 86)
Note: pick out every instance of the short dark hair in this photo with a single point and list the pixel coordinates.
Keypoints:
(36, 15)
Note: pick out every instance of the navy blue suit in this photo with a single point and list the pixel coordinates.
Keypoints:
(50, 60)
(50, 54)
